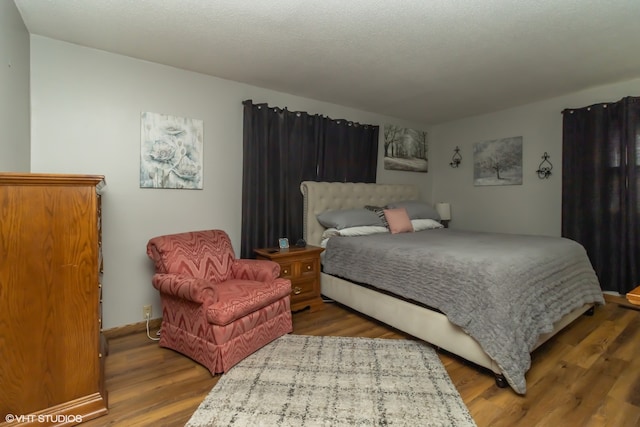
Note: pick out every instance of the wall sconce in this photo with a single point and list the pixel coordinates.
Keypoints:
(444, 211)
(456, 159)
(544, 170)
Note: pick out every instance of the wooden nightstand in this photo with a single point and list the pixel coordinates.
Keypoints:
(302, 267)
(634, 296)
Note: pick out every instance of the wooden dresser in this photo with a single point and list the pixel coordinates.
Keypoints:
(302, 267)
(51, 346)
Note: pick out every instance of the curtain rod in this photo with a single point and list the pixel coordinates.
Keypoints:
(298, 113)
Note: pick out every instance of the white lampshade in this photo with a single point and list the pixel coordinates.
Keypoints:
(444, 210)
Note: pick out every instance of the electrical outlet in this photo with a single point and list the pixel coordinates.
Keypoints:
(146, 311)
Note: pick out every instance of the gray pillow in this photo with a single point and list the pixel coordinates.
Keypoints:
(416, 209)
(348, 218)
(380, 212)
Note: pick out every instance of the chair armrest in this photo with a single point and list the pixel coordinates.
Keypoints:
(186, 287)
(260, 270)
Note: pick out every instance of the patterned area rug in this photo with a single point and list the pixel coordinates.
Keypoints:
(300, 380)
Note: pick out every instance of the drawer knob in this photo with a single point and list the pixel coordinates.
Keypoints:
(308, 267)
(285, 271)
(297, 290)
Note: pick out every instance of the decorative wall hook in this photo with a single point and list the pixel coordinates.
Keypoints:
(544, 170)
(456, 159)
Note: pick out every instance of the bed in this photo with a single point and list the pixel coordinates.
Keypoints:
(433, 318)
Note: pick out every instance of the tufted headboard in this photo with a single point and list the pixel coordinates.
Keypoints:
(326, 196)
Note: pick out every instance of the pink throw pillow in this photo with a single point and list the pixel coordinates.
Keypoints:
(399, 221)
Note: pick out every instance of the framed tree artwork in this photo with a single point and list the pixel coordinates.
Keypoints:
(405, 149)
(498, 162)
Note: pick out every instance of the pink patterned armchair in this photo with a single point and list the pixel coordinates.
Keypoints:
(217, 309)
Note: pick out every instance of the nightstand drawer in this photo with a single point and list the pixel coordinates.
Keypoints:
(286, 270)
(301, 289)
(308, 267)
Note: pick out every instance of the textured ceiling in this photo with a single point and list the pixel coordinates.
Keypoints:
(422, 60)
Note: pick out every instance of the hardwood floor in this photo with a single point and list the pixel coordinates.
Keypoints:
(588, 375)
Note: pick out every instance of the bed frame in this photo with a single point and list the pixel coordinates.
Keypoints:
(416, 320)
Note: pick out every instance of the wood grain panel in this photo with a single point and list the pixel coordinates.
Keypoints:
(49, 295)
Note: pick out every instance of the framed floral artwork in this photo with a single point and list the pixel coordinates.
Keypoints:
(170, 152)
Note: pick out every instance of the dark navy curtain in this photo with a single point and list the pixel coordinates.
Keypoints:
(282, 148)
(600, 182)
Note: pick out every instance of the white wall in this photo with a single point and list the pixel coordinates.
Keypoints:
(14, 90)
(533, 207)
(85, 118)
(86, 107)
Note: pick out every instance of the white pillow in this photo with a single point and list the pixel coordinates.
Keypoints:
(363, 230)
(425, 224)
(330, 232)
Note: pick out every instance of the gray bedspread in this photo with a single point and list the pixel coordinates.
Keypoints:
(504, 290)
